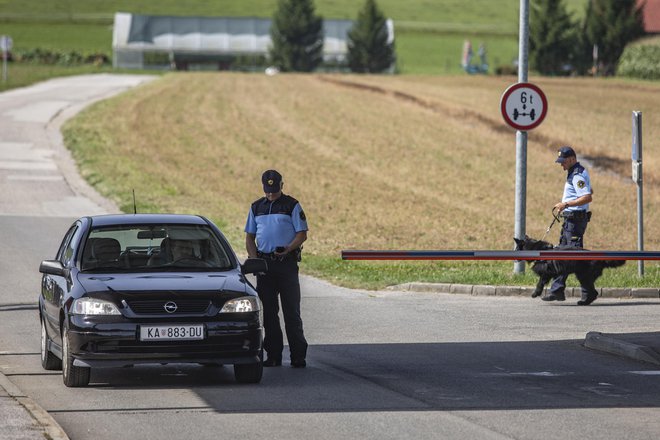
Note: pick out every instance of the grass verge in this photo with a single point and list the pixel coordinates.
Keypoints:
(24, 74)
(377, 274)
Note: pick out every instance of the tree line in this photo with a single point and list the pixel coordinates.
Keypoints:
(297, 39)
(560, 45)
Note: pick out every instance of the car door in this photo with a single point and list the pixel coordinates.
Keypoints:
(55, 288)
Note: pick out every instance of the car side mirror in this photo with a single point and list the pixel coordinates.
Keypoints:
(254, 265)
(52, 267)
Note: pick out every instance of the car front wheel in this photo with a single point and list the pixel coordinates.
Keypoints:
(73, 376)
(48, 360)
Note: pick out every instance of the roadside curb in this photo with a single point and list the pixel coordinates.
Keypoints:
(617, 346)
(572, 292)
(52, 429)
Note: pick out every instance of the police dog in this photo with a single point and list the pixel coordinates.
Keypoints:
(586, 271)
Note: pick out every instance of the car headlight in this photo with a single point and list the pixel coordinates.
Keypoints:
(92, 306)
(243, 304)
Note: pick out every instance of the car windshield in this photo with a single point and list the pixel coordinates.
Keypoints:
(155, 248)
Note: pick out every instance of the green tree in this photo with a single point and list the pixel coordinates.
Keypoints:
(552, 37)
(297, 36)
(611, 25)
(369, 48)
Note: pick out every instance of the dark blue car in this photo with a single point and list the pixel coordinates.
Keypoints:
(148, 288)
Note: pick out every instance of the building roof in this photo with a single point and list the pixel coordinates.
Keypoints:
(651, 15)
(211, 35)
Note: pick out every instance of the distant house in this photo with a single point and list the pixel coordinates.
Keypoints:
(651, 14)
(196, 43)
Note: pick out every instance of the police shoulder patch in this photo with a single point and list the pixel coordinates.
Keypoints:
(581, 184)
(302, 215)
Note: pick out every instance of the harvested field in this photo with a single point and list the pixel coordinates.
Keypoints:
(381, 162)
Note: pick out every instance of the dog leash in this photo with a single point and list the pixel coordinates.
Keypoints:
(555, 218)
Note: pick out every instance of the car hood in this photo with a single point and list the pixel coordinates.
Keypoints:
(127, 283)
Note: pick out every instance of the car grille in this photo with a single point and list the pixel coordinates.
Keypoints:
(157, 307)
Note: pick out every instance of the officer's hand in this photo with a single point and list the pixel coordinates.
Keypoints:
(280, 251)
(560, 206)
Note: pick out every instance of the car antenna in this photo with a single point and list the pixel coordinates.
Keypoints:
(134, 205)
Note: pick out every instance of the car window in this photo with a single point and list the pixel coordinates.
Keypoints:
(66, 252)
(155, 248)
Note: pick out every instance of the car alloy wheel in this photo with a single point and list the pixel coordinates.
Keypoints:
(72, 376)
(48, 360)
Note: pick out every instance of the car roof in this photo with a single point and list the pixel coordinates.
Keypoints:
(131, 219)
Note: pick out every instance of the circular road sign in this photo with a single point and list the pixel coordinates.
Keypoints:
(524, 106)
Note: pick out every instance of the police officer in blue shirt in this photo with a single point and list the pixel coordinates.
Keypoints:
(574, 208)
(275, 230)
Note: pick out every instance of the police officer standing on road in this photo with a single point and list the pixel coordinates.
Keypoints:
(574, 208)
(275, 230)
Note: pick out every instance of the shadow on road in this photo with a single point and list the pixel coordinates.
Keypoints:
(415, 377)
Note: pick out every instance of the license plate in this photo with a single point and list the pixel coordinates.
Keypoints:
(171, 332)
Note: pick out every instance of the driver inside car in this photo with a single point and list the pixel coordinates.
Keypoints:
(182, 249)
(171, 251)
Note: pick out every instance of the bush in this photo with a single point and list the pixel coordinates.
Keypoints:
(62, 58)
(640, 61)
(506, 69)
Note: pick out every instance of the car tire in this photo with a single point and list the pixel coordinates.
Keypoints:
(249, 373)
(71, 375)
(48, 360)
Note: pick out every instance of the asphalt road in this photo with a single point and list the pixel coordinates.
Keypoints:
(381, 365)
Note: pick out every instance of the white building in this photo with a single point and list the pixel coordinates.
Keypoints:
(163, 42)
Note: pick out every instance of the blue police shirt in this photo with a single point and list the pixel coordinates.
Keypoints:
(275, 223)
(577, 185)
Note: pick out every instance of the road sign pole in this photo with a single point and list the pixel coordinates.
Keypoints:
(521, 191)
(637, 178)
(521, 137)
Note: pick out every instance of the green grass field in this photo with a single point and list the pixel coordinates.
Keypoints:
(489, 12)
(429, 34)
(440, 54)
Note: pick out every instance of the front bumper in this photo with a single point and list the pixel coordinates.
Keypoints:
(116, 344)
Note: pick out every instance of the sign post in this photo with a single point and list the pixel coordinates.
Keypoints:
(521, 136)
(5, 45)
(523, 107)
(637, 178)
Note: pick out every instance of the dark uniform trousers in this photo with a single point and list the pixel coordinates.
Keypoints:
(572, 233)
(282, 279)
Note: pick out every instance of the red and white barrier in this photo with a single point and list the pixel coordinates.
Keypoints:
(500, 255)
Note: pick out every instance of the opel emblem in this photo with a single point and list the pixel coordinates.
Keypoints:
(170, 307)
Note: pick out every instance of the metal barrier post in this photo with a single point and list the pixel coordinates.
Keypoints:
(637, 178)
